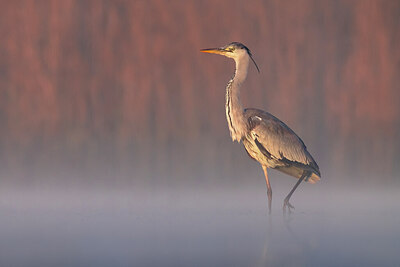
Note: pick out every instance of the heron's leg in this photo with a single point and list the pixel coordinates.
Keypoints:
(269, 190)
(286, 201)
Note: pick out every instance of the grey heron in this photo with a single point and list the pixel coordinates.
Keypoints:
(266, 138)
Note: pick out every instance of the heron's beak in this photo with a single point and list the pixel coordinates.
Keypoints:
(218, 51)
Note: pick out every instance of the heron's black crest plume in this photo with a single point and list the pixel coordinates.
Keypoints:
(242, 46)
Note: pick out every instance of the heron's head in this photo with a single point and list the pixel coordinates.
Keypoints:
(233, 50)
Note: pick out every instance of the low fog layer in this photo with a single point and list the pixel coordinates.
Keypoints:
(205, 226)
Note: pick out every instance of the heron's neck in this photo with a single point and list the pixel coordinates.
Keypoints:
(234, 110)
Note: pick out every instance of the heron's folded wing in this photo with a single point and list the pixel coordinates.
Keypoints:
(277, 138)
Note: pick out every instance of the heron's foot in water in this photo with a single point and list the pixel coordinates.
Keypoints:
(287, 204)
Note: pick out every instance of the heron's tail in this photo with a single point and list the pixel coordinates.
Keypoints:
(314, 178)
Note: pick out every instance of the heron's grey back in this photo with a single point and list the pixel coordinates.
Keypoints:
(279, 140)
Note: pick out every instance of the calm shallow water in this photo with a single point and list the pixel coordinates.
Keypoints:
(213, 227)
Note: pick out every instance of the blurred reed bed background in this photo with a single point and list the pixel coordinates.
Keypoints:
(117, 92)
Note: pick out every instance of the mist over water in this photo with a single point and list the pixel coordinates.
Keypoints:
(193, 210)
(218, 224)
